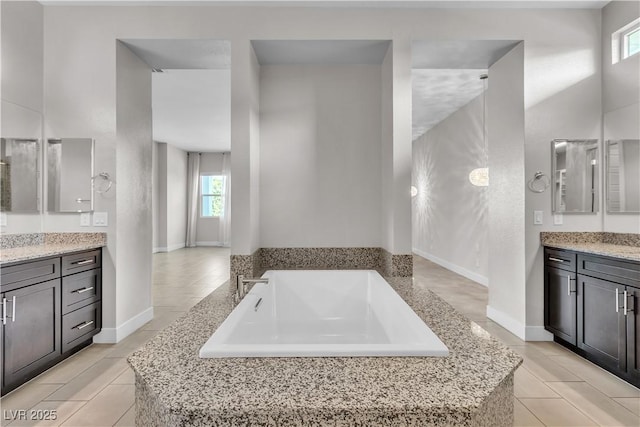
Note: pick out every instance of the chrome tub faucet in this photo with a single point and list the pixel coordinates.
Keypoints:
(241, 286)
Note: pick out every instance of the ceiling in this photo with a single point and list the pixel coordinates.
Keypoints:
(446, 76)
(192, 109)
(326, 52)
(439, 4)
(191, 98)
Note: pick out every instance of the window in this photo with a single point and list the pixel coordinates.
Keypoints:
(631, 42)
(211, 196)
(625, 42)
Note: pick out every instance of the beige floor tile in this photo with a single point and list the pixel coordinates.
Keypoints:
(57, 412)
(128, 419)
(64, 372)
(131, 343)
(557, 412)
(161, 320)
(604, 381)
(127, 377)
(105, 409)
(631, 403)
(27, 396)
(522, 417)
(527, 385)
(89, 383)
(595, 404)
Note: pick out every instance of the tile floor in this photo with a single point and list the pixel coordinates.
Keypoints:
(95, 387)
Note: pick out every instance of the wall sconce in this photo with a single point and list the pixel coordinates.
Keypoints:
(414, 191)
(479, 177)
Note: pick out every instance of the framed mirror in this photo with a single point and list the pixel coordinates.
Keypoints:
(19, 175)
(622, 166)
(69, 174)
(574, 176)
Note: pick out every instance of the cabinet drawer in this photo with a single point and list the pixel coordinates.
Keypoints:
(80, 325)
(81, 289)
(558, 258)
(624, 272)
(30, 273)
(80, 262)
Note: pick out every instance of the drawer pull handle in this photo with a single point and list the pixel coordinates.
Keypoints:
(555, 259)
(82, 290)
(83, 325)
(83, 262)
(569, 279)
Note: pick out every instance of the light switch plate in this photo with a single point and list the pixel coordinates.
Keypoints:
(537, 217)
(85, 219)
(557, 219)
(100, 219)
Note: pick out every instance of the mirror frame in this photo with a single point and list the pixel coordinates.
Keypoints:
(597, 202)
(606, 177)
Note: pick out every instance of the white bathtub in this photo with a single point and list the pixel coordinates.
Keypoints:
(323, 313)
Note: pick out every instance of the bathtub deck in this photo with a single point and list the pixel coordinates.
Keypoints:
(472, 386)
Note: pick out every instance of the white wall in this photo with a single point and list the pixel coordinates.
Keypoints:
(320, 170)
(22, 90)
(170, 211)
(176, 197)
(133, 170)
(506, 201)
(449, 214)
(207, 233)
(562, 90)
(620, 97)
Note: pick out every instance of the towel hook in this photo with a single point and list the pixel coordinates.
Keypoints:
(539, 177)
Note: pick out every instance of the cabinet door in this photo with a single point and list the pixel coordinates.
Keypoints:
(601, 323)
(31, 334)
(560, 303)
(633, 335)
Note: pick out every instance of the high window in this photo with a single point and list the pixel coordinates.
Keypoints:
(625, 42)
(211, 196)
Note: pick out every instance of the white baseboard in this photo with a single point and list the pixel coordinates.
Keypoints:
(537, 333)
(204, 243)
(169, 248)
(507, 322)
(114, 335)
(478, 278)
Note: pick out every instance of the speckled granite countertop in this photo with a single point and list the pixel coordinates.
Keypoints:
(24, 247)
(617, 245)
(361, 391)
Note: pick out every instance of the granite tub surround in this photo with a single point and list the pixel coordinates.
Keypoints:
(618, 245)
(23, 247)
(473, 386)
(378, 259)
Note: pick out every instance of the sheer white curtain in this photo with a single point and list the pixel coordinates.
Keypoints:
(225, 220)
(193, 182)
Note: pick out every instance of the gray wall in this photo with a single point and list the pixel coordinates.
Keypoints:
(449, 214)
(320, 170)
(170, 211)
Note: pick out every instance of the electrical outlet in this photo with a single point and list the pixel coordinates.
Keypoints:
(537, 217)
(3, 219)
(85, 219)
(100, 219)
(557, 219)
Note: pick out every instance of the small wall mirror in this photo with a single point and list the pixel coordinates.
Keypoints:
(623, 175)
(19, 175)
(574, 186)
(69, 175)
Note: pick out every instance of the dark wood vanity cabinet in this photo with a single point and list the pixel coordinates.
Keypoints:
(600, 306)
(49, 309)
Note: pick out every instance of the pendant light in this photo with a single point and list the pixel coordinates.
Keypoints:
(480, 176)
